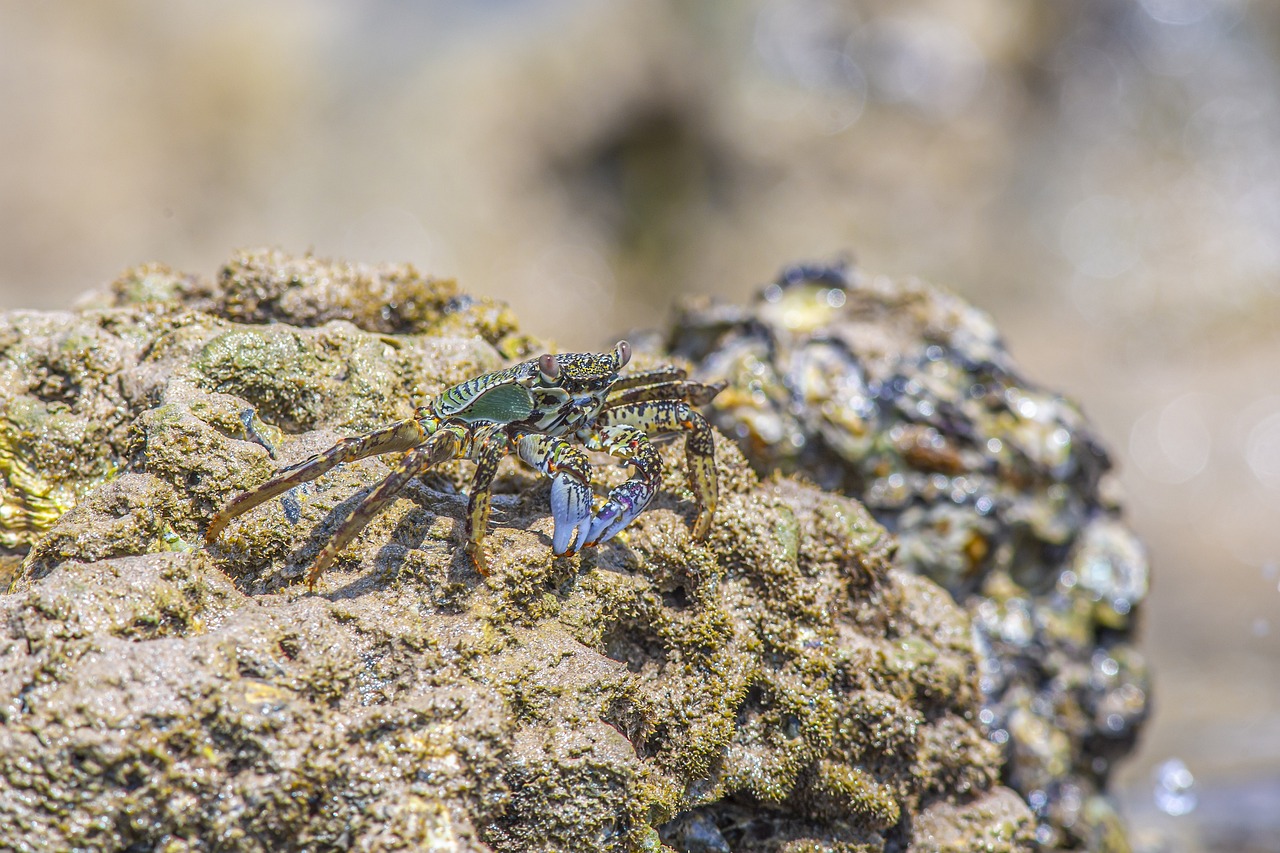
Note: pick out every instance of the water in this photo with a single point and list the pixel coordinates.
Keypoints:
(1174, 788)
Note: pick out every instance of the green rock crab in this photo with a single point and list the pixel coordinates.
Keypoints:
(530, 409)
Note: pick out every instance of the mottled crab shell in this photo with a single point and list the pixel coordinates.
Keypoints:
(498, 397)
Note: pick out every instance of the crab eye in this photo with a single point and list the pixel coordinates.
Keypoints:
(549, 367)
(623, 351)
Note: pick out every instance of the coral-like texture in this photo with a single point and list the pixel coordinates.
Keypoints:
(902, 395)
(781, 686)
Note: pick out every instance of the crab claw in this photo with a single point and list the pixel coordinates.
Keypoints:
(571, 508)
(624, 504)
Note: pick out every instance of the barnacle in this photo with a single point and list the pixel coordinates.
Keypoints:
(29, 503)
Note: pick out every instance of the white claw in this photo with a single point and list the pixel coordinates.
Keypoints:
(571, 509)
(624, 504)
(606, 523)
(583, 529)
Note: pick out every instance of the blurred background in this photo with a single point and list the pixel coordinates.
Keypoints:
(1102, 176)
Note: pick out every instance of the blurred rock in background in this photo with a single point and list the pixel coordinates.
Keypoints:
(1102, 176)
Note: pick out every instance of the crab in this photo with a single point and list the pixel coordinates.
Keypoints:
(532, 409)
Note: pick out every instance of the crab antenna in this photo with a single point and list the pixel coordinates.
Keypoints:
(549, 367)
(623, 350)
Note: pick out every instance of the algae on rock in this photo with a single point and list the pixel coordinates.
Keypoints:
(781, 686)
(902, 395)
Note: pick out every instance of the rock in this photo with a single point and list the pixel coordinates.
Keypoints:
(780, 686)
(902, 395)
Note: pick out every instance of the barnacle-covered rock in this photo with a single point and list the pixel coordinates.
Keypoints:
(65, 409)
(902, 395)
(780, 686)
(269, 286)
(71, 383)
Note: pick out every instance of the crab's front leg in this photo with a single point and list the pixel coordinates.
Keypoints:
(650, 418)
(570, 475)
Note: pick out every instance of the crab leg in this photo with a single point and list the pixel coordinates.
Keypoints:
(699, 450)
(657, 376)
(401, 435)
(693, 393)
(440, 447)
(625, 502)
(570, 487)
(478, 503)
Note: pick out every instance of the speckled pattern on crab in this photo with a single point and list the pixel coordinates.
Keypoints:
(527, 409)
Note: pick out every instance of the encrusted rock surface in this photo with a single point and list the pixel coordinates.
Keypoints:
(902, 395)
(781, 686)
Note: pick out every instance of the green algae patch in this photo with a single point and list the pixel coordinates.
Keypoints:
(780, 686)
(274, 370)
